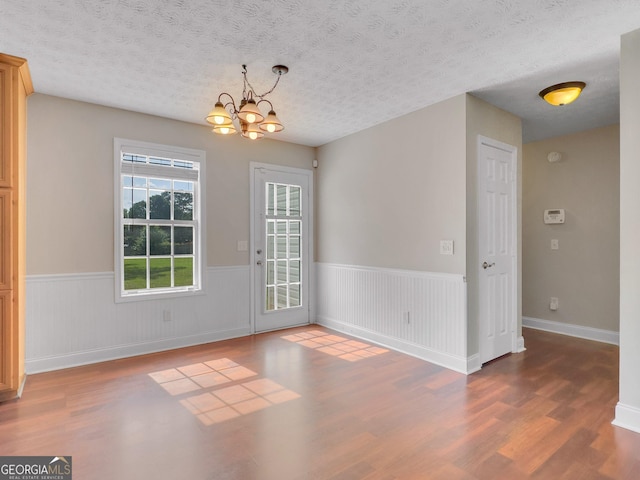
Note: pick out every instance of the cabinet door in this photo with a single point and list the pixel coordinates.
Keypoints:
(5, 240)
(5, 125)
(7, 377)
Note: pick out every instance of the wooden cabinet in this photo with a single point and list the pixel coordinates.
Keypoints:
(15, 86)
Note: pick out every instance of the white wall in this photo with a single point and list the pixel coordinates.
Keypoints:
(628, 408)
(71, 314)
(386, 196)
(584, 272)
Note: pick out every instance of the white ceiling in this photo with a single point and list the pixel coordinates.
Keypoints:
(353, 64)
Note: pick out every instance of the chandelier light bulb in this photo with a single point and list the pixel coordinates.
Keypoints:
(271, 128)
(251, 118)
(253, 135)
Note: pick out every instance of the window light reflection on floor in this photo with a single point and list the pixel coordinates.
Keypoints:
(351, 350)
(221, 403)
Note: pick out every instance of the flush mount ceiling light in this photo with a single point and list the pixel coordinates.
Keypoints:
(227, 118)
(562, 93)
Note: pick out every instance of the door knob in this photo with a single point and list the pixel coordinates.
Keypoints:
(486, 265)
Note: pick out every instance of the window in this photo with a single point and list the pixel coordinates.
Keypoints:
(158, 219)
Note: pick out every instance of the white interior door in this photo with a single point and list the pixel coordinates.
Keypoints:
(281, 246)
(497, 229)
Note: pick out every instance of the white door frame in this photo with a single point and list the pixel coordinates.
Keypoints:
(490, 142)
(253, 166)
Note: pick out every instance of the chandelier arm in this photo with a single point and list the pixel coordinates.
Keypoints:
(265, 100)
(231, 102)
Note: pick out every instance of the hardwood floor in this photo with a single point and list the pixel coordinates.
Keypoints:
(324, 406)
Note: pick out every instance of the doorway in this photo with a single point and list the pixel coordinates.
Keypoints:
(281, 246)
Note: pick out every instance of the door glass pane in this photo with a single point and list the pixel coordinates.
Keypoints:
(294, 295)
(294, 201)
(282, 271)
(283, 291)
(281, 208)
(283, 246)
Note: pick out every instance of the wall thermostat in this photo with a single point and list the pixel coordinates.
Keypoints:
(554, 216)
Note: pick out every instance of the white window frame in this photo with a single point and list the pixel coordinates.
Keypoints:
(120, 146)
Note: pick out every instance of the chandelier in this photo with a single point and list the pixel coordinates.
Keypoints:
(227, 118)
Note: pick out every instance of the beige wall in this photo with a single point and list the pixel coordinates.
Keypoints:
(628, 410)
(70, 182)
(388, 195)
(584, 272)
(489, 121)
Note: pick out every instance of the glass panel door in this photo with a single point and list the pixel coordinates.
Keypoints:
(281, 247)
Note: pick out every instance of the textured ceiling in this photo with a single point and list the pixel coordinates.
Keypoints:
(353, 64)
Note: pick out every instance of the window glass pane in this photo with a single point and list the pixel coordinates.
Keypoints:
(183, 206)
(282, 246)
(159, 272)
(128, 157)
(294, 201)
(271, 228)
(135, 240)
(160, 204)
(271, 266)
(282, 271)
(159, 161)
(159, 240)
(127, 181)
(282, 227)
(140, 182)
(294, 295)
(182, 164)
(281, 208)
(183, 271)
(282, 296)
(294, 227)
(270, 299)
(135, 273)
(294, 247)
(134, 203)
(294, 271)
(160, 183)
(182, 185)
(183, 240)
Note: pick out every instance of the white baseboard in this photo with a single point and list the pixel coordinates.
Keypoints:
(75, 359)
(452, 362)
(588, 333)
(627, 417)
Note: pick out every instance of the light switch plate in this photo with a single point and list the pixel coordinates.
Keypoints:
(243, 245)
(446, 247)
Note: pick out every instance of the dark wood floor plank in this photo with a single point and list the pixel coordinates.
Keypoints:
(295, 413)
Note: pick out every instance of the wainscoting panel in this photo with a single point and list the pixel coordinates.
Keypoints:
(423, 314)
(73, 319)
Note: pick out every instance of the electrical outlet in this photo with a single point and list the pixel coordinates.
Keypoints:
(553, 304)
(555, 244)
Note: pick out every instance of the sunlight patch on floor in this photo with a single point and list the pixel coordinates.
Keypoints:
(351, 350)
(221, 403)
